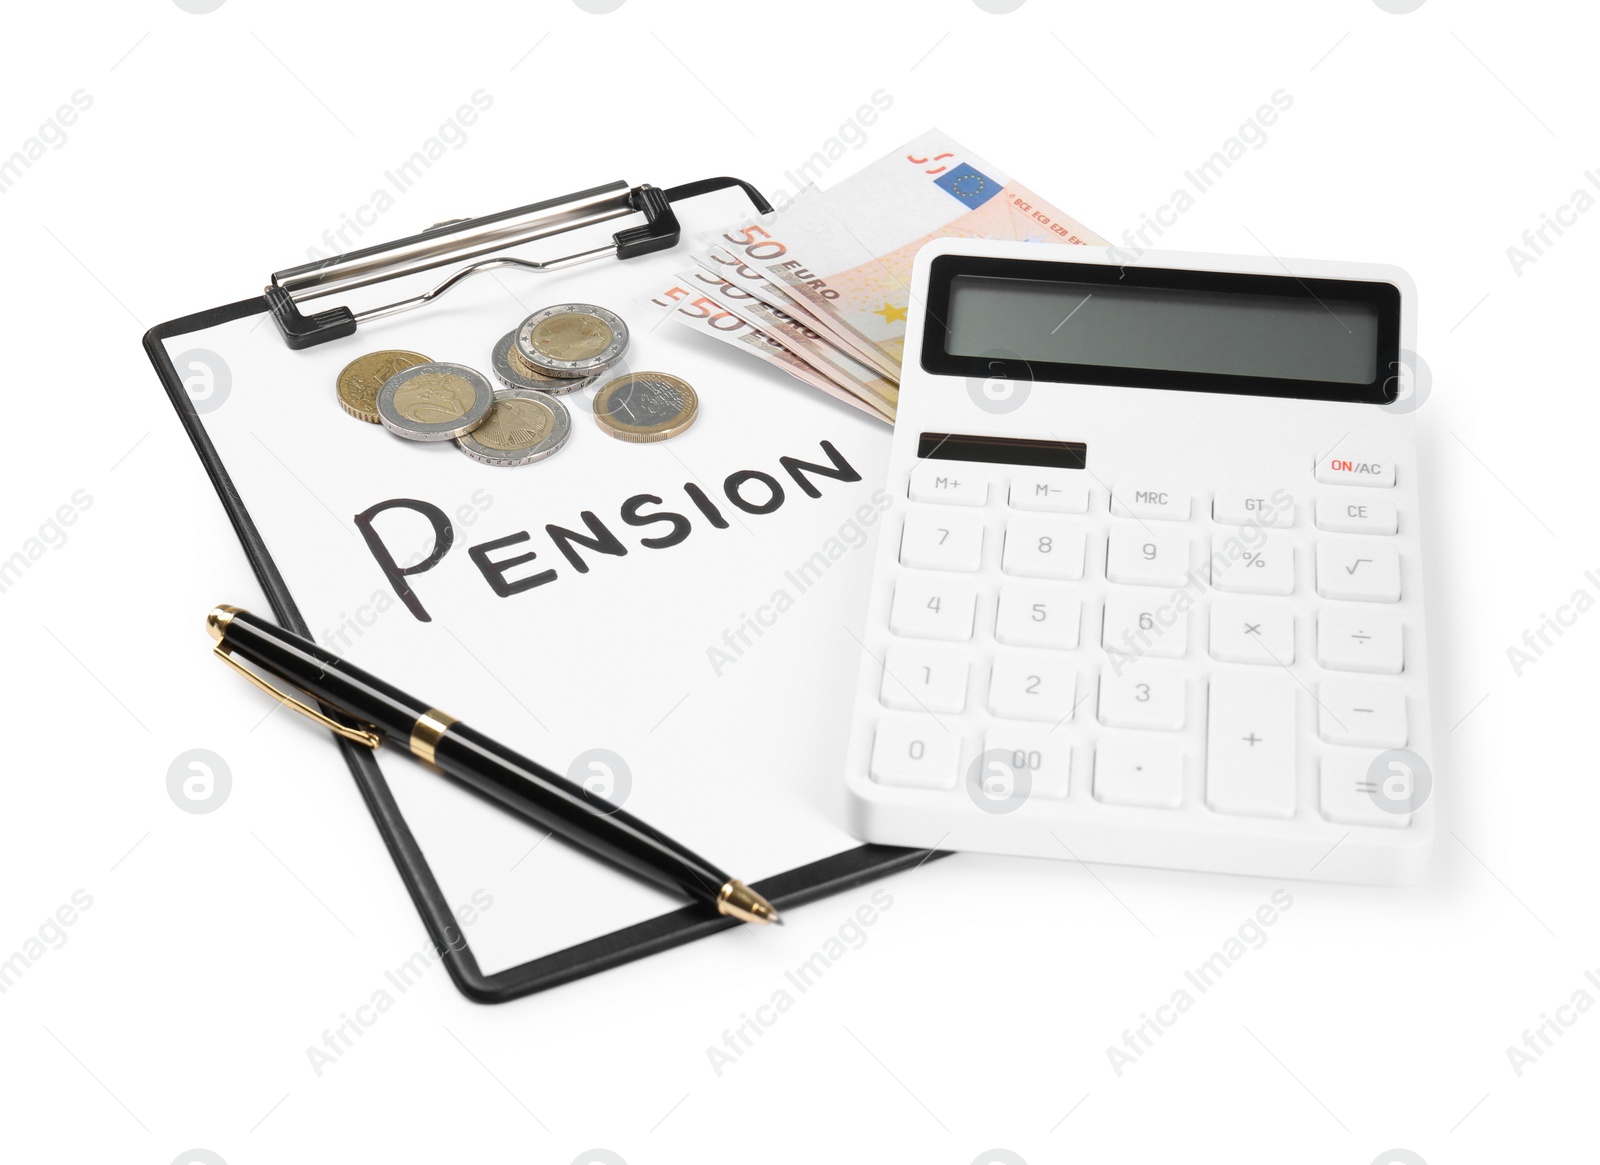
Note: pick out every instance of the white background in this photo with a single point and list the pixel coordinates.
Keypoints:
(219, 147)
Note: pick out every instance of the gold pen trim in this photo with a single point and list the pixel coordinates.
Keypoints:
(217, 624)
(360, 733)
(427, 732)
(219, 618)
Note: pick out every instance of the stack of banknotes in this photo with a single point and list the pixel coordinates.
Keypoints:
(822, 287)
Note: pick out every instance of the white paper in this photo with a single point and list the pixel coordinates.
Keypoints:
(721, 669)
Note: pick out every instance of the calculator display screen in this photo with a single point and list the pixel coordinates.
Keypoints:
(1144, 327)
(1298, 338)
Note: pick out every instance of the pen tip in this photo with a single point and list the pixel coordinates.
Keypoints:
(739, 901)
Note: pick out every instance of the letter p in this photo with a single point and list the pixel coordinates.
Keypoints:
(444, 536)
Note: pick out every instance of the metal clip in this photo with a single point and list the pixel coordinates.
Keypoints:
(360, 733)
(458, 240)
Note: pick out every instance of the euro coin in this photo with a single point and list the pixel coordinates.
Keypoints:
(434, 401)
(511, 370)
(646, 406)
(523, 426)
(571, 340)
(358, 384)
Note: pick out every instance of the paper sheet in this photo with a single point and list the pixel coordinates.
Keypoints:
(719, 669)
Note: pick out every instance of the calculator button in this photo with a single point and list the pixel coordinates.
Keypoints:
(1357, 514)
(1037, 615)
(1056, 493)
(1360, 639)
(1346, 795)
(915, 752)
(1043, 547)
(1145, 695)
(1355, 469)
(917, 678)
(1250, 744)
(932, 609)
(1143, 771)
(1033, 687)
(1371, 712)
(1136, 501)
(1363, 571)
(942, 540)
(1045, 756)
(1265, 567)
(1252, 632)
(1160, 558)
(1139, 623)
(1241, 507)
(944, 484)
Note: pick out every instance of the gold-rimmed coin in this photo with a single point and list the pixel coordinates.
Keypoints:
(359, 382)
(646, 406)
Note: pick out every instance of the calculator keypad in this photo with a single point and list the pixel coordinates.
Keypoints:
(930, 678)
(1043, 546)
(1250, 744)
(933, 608)
(948, 540)
(1054, 493)
(1037, 615)
(1150, 557)
(1137, 621)
(1365, 571)
(1033, 687)
(1252, 631)
(1168, 637)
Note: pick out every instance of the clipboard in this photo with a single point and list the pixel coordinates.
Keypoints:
(482, 244)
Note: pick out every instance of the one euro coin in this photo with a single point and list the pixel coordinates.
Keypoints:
(646, 406)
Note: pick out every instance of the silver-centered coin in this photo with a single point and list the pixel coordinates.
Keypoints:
(572, 339)
(525, 425)
(514, 372)
(435, 401)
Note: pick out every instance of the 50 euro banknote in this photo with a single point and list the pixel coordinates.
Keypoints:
(836, 364)
(844, 255)
(700, 313)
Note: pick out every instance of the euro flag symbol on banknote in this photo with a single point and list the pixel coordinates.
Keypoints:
(968, 185)
(818, 289)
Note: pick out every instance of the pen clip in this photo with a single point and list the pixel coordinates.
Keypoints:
(361, 734)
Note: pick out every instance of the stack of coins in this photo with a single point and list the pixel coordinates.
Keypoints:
(425, 400)
(560, 349)
(555, 351)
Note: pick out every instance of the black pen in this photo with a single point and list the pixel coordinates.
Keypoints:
(379, 712)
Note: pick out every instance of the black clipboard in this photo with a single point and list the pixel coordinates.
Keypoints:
(447, 243)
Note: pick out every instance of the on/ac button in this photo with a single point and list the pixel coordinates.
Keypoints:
(1347, 469)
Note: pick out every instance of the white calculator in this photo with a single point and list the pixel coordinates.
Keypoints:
(1150, 589)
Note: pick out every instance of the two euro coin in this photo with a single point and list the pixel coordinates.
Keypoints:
(424, 400)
